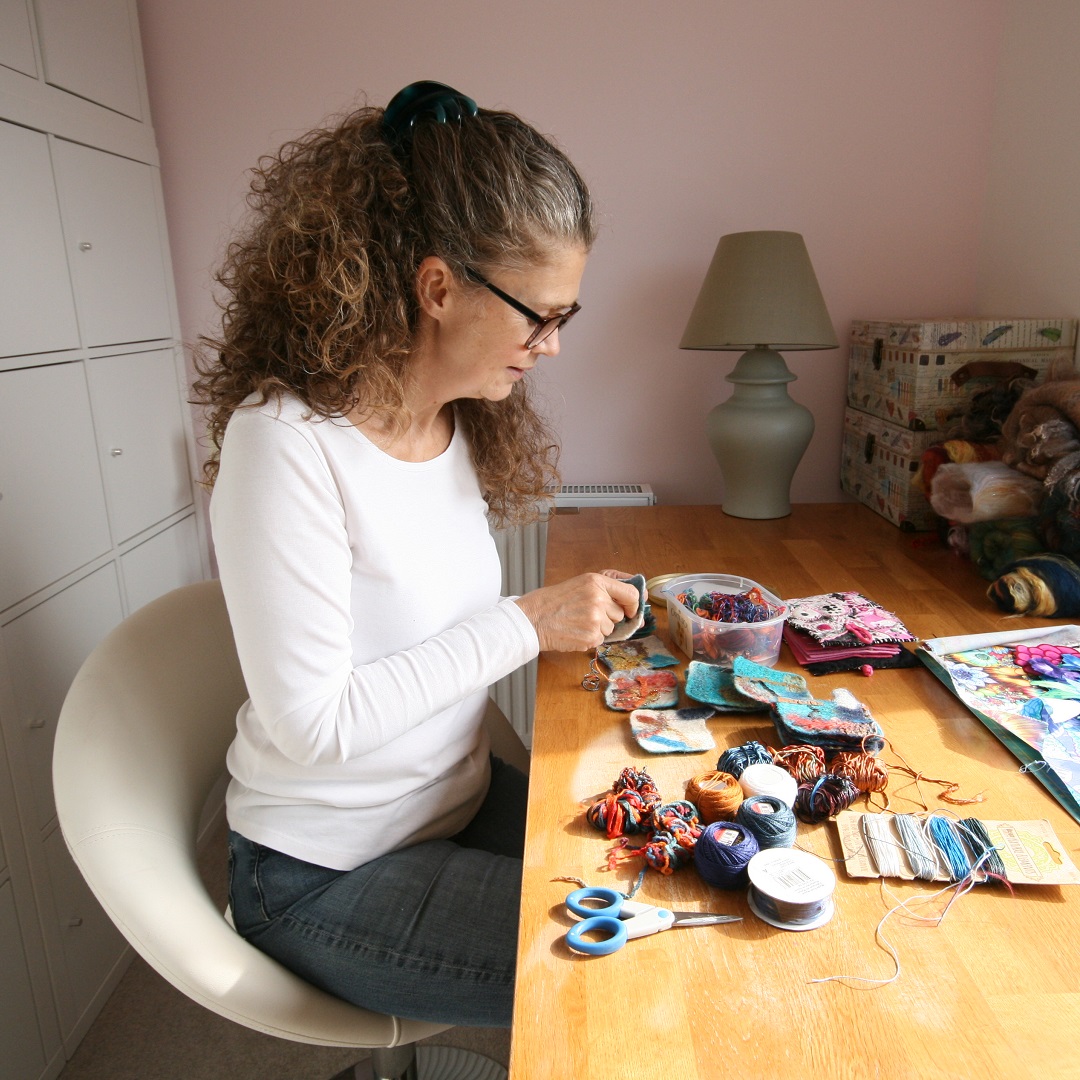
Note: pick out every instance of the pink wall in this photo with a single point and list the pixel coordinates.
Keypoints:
(864, 126)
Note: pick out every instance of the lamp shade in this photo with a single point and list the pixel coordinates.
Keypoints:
(760, 290)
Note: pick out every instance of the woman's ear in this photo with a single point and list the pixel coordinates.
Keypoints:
(434, 285)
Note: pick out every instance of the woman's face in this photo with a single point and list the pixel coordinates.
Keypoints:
(478, 347)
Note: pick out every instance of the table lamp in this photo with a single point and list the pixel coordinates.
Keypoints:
(759, 295)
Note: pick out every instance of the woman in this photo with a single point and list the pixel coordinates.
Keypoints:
(402, 272)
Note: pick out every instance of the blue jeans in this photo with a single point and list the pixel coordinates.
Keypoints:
(427, 933)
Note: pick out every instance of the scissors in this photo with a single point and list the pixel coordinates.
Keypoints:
(605, 911)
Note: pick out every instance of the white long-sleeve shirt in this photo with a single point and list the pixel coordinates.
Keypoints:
(363, 593)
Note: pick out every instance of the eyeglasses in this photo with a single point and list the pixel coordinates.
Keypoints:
(545, 327)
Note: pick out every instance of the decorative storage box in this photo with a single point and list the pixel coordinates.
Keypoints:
(921, 373)
(879, 463)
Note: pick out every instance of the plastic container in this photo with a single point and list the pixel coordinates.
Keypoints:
(720, 642)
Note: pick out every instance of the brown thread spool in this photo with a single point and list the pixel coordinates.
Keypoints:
(717, 795)
(866, 772)
(805, 763)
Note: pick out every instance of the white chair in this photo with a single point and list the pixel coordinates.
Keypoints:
(140, 745)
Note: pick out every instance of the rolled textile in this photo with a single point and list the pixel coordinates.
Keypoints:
(1047, 585)
(960, 451)
(993, 545)
(983, 491)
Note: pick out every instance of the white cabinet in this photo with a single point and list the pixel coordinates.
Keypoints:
(111, 225)
(52, 505)
(16, 42)
(33, 270)
(21, 1050)
(141, 438)
(89, 50)
(43, 649)
(98, 513)
(164, 562)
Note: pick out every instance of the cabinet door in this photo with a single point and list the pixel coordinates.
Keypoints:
(37, 310)
(92, 946)
(16, 45)
(44, 649)
(114, 245)
(140, 430)
(21, 1049)
(162, 563)
(89, 50)
(52, 504)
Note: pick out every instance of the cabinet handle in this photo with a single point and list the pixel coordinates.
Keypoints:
(117, 451)
(75, 920)
(86, 246)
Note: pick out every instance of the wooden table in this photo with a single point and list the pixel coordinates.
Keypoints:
(993, 991)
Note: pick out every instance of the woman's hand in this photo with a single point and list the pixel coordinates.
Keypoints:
(576, 615)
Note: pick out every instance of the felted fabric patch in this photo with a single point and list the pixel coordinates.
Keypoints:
(640, 652)
(641, 688)
(716, 686)
(845, 618)
(841, 723)
(672, 731)
(632, 623)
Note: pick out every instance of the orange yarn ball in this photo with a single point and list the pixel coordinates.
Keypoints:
(717, 795)
(805, 763)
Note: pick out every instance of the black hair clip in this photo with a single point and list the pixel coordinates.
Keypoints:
(441, 102)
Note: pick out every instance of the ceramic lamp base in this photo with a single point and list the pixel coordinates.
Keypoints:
(758, 436)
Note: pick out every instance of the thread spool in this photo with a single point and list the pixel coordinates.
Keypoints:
(765, 779)
(723, 852)
(804, 762)
(824, 798)
(716, 795)
(770, 819)
(736, 759)
(790, 889)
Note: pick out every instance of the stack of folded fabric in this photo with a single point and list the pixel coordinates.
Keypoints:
(844, 631)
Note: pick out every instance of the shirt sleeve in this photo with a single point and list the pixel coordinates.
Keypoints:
(285, 564)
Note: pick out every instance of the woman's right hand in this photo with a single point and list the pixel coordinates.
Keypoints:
(576, 615)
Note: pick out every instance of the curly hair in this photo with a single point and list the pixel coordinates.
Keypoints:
(320, 287)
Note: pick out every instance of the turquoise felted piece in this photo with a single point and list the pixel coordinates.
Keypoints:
(841, 723)
(639, 652)
(672, 731)
(632, 623)
(716, 686)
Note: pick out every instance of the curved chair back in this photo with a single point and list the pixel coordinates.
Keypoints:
(140, 745)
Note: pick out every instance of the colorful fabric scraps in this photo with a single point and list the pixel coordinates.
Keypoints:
(672, 731)
(715, 686)
(642, 652)
(850, 619)
(643, 688)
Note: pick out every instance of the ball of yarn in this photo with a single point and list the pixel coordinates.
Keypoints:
(722, 853)
(716, 795)
(804, 762)
(1046, 585)
(770, 819)
(865, 771)
(824, 798)
(735, 759)
(627, 808)
(768, 780)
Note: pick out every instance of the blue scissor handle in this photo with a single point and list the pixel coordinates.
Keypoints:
(611, 905)
(605, 924)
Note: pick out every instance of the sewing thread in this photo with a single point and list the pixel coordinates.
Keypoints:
(770, 819)
(716, 795)
(824, 798)
(735, 759)
(723, 852)
(804, 762)
(769, 780)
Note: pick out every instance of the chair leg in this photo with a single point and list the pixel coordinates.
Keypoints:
(393, 1062)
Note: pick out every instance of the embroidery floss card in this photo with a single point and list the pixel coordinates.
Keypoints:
(642, 688)
(672, 731)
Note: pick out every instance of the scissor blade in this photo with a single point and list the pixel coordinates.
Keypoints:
(702, 918)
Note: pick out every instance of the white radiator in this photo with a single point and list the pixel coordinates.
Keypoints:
(522, 551)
